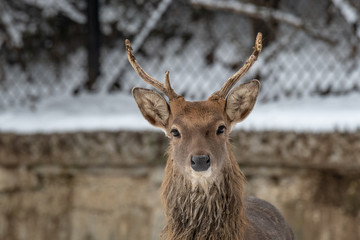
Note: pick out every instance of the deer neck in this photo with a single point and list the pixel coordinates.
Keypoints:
(196, 213)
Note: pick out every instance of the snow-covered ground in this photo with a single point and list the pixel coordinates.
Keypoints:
(119, 112)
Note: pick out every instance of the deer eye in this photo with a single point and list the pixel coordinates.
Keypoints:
(220, 130)
(175, 133)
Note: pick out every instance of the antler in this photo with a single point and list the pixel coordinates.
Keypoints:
(165, 88)
(242, 71)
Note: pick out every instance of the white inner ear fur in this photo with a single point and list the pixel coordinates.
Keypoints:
(152, 106)
(156, 108)
(241, 101)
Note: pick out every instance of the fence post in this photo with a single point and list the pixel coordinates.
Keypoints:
(93, 44)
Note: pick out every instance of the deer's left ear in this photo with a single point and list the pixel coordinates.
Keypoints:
(241, 101)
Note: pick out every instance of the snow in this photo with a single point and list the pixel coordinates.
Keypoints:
(14, 29)
(314, 114)
(41, 79)
(140, 37)
(251, 10)
(349, 12)
(67, 114)
(294, 63)
(119, 112)
(52, 7)
(17, 21)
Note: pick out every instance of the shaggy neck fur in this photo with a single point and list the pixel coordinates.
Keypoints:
(194, 213)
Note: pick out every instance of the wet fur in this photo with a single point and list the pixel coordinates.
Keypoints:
(204, 211)
(218, 209)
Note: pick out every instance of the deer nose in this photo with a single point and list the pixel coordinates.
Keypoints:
(200, 162)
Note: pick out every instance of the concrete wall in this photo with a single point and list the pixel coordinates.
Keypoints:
(104, 185)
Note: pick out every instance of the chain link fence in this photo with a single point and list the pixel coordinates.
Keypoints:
(311, 48)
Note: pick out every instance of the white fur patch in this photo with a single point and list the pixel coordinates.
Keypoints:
(203, 179)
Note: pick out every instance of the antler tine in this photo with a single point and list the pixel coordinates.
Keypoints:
(165, 88)
(242, 71)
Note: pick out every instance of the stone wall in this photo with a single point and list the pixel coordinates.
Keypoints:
(105, 185)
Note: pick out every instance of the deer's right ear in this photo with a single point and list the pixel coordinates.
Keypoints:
(153, 106)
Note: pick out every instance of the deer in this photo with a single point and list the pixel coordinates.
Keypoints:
(202, 192)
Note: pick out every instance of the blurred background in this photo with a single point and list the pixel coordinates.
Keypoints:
(77, 161)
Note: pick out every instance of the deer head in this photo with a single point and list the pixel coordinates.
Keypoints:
(198, 131)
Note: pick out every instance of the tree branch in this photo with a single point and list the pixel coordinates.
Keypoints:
(350, 14)
(263, 13)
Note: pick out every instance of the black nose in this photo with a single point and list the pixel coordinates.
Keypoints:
(200, 162)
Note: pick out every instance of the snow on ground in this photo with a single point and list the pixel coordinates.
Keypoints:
(311, 114)
(119, 112)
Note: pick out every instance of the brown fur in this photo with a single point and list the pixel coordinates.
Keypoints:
(207, 203)
(194, 213)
